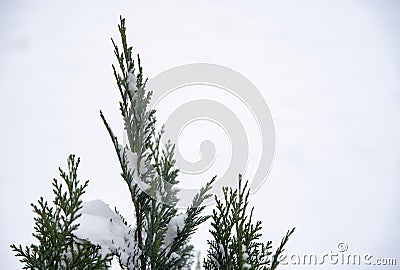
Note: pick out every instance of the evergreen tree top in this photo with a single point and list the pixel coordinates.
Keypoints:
(73, 235)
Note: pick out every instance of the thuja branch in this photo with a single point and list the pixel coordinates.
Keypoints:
(236, 238)
(160, 236)
(161, 232)
(58, 247)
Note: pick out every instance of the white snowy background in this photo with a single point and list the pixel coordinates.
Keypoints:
(329, 71)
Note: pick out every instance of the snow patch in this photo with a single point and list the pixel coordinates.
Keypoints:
(132, 84)
(132, 159)
(176, 223)
(103, 227)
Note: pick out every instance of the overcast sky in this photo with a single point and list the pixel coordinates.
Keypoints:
(328, 70)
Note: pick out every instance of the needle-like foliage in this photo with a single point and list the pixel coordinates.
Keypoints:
(161, 233)
(58, 248)
(159, 239)
(236, 237)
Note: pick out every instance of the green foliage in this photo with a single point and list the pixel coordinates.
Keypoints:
(159, 239)
(161, 233)
(58, 248)
(236, 238)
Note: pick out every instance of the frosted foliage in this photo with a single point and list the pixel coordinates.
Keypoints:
(132, 159)
(103, 227)
(176, 223)
(131, 83)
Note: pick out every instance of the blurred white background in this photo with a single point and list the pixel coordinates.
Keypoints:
(329, 71)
